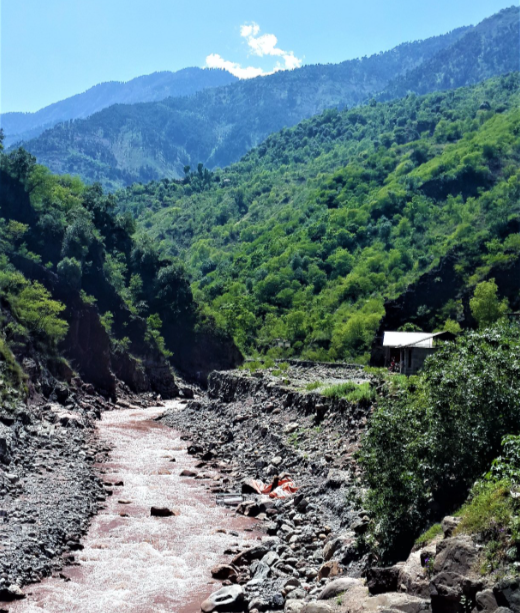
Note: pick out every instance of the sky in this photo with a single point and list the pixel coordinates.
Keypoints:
(52, 49)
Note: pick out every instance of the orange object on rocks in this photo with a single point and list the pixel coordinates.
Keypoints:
(279, 488)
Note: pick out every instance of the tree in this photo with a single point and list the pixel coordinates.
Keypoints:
(485, 306)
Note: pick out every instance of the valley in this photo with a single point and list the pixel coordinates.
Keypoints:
(260, 335)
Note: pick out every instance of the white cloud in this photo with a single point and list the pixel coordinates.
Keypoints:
(261, 46)
(216, 61)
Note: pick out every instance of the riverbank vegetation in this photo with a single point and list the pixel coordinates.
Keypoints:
(434, 435)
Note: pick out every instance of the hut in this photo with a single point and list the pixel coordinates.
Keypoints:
(405, 352)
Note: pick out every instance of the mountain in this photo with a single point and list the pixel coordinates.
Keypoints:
(489, 49)
(127, 143)
(400, 207)
(149, 88)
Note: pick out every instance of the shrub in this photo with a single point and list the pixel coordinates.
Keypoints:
(431, 437)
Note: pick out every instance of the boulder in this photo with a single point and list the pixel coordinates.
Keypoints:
(224, 572)
(163, 512)
(395, 602)
(447, 589)
(329, 569)
(336, 587)
(316, 607)
(449, 524)
(486, 601)
(12, 592)
(455, 555)
(507, 594)
(228, 599)
(412, 577)
(246, 557)
(381, 580)
(293, 606)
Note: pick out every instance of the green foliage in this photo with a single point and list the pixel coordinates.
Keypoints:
(35, 309)
(431, 437)
(70, 269)
(153, 333)
(351, 391)
(485, 306)
(298, 258)
(428, 536)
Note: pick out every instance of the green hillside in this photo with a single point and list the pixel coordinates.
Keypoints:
(295, 249)
(76, 284)
(140, 142)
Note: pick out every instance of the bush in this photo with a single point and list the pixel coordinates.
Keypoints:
(36, 310)
(433, 436)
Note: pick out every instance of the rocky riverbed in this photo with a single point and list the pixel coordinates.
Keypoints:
(262, 426)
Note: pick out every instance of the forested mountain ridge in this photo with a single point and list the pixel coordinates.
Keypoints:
(157, 86)
(470, 60)
(296, 249)
(137, 143)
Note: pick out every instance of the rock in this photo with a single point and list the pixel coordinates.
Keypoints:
(224, 572)
(276, 461)
(292, 427)
(486, 601)
(336, 587)
(260, 572)
(270, 558)
(507, 594)
(188, 473)
(395, 602)
(449, 524)
(413, 578)
(447, 589)
(329, 569)
(455, 555)
(246, 557)
(316, 607)
(381, 580)
(330, 548)
(13, 592)
(228, 599)
(163, 512)
(293, 606)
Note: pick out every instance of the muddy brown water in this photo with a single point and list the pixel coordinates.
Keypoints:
(139, 563)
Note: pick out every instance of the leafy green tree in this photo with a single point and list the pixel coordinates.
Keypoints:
(485, 305)
(70, 269)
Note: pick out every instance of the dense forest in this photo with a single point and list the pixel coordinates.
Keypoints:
(140, 142)
(78, 289)
(296, 249)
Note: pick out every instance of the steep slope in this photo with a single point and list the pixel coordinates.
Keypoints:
(123, 144)
(469, 60)
(296, 249)
(157, 86)
(76, 283)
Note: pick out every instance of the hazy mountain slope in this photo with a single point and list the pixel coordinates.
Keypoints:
(297, 249)
(491, 48)
(123, 144)
(148, 88)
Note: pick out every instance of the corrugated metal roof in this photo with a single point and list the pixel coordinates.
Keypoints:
(400, 339)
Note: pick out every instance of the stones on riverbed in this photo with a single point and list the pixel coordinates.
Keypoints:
(164, 512)
(12, 592)
(249, 555)
(337, 587)
(188, 473)
(229, 599)
(124, 501)
(224, 572)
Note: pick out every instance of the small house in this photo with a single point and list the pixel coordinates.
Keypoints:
(405, 352)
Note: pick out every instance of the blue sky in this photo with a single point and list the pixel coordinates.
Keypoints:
(52, 49)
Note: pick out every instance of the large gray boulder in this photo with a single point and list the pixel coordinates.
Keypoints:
(507, 594)
(337, 587)
(228, 599)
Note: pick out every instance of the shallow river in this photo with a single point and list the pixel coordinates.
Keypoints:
(144, 564)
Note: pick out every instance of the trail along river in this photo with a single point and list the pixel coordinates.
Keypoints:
(139, 563)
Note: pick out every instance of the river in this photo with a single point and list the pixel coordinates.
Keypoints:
(138, 563)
